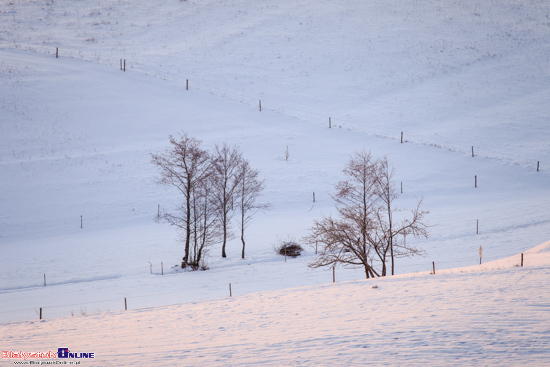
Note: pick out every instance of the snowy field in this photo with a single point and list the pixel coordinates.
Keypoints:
(77, 133)
(488, 318)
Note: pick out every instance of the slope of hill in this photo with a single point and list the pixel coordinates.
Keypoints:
(77, 134)
(496, 317)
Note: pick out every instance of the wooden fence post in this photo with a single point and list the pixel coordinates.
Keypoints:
(125, 304)
(314, 196)
(40, 313)
(477, 226)
(124, 69)
(57, 52)
(334, 274)
(401, 137)
(472, 150)
(433, 267)
(230, 292)
(538, 163)
(522, 259)
(161, 268)
(81, 222)
(329, 123)
(44, 279)
(475, 178)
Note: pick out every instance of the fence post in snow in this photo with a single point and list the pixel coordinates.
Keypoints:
(40, 313)
(522, 259)
(44, 279)
(230, 293)
(433, 267)
(124, 69)
(472, 150)
(538, 163)
(475, 181)
(401, 137)
(186, 84)
(161, 268)
(57, 52)
(125, 304)
(81, 222)
(260, 105)
(477, 226)
(329, 123)
(334, 274)
(314, 196)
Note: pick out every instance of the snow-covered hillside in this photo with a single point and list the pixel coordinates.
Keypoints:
(490, 318)
(77, 133)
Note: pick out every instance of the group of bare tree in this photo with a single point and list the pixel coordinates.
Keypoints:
(368, 231)
(214, 187)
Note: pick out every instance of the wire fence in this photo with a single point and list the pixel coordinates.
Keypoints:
(297, 111)
(230, 288)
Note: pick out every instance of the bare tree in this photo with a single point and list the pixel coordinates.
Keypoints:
(205, 229)
(249, 189)
(348, 240)
(213, 187)
(186, 166)
(394, 232)
(226, 162)
(365, 230)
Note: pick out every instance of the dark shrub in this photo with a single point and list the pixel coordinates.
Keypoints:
(289, 248)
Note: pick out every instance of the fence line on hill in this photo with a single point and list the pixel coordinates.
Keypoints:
(233, 285)
(306, 114)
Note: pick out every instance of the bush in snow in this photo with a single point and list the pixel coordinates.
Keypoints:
(289, 248)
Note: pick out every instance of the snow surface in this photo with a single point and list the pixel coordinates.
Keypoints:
(76, 134)
(475, 318)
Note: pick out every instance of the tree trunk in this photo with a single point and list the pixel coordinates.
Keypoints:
(243, 209)
(187, 227)
(224, 217)
(224, 236)
(392, 261)
(244, 244)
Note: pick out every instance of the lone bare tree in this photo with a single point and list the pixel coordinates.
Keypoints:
(365, 230)
(248, 191)
(186, 167)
